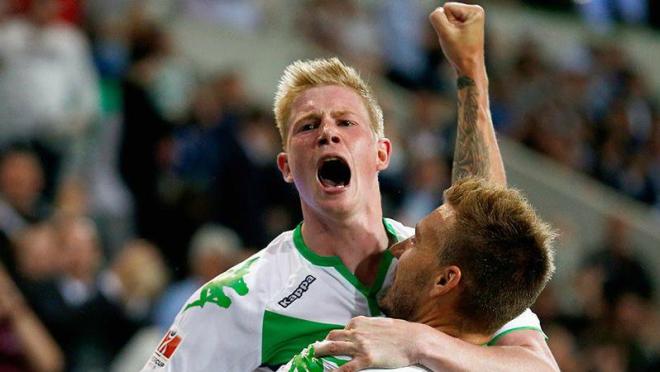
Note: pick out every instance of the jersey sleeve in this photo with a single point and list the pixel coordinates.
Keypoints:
(218, 329)
(525, 321)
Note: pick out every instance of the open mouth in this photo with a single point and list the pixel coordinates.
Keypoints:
(334, 172)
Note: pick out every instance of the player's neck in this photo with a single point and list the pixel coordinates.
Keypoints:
(443, 317)
(474, 338)
(354, 239)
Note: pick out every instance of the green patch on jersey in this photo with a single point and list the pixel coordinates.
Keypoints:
(284, 336)
(213, 292)
(306, 362)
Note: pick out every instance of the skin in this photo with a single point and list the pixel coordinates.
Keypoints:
(431, 289)
(40, 350)
(348, 223)
(417, 260)
(333, 121)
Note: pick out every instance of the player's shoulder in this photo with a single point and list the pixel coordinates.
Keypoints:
(275, 261)
(526, 321)
(249, 284)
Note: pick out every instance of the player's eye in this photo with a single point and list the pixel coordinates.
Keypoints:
(307, 126)
(346, 123)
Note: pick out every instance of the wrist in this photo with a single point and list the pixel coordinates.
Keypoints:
(475, 69)
(424, 346)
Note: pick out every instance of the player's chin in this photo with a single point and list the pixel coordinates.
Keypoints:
(335, 205)
(335, 198)
(385, 303)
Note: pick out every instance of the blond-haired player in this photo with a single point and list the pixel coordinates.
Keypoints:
(332, 266)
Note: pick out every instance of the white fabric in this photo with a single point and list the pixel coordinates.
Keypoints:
(231, 339)
(239, 337)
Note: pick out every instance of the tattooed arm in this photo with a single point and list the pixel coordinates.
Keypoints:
(476, 152)
(386, 342)
(460, 30)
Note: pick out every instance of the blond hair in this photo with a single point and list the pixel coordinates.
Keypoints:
(503, 248)
(302, 75)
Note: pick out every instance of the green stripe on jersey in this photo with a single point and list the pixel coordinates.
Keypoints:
(278, 346)
(497, 337)
(335, 262)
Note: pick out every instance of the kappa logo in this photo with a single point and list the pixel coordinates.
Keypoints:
(166, 348)
(302, 288)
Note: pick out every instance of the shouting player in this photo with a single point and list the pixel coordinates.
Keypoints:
(332, 266)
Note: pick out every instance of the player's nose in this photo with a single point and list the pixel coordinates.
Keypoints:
(327, 134)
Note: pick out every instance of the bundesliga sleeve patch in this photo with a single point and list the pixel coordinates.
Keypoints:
(166, 348)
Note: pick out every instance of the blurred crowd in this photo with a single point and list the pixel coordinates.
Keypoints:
(603, 15)
(128, 177)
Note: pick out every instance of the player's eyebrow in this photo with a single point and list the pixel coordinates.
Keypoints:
(309, 115)
(343, 112)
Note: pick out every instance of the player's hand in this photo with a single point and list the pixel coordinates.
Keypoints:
(460, 29)
(373, 342)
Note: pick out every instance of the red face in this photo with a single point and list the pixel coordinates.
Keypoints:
(417, 263)
(332, 154)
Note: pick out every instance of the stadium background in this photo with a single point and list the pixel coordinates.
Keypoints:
(128, 127)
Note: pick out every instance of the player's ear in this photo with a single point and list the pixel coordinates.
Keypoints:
(283, 165)
(446, 280)
(384, 152)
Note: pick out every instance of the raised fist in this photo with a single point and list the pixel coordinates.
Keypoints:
(460, 28)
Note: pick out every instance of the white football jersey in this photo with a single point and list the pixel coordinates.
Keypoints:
(262, 312)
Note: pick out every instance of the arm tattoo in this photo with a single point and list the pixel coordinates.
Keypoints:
(470, 152)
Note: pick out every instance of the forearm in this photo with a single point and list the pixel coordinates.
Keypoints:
(476, 151)
(41, 351)
(440, 352)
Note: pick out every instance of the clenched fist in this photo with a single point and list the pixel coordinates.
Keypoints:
(460, 28)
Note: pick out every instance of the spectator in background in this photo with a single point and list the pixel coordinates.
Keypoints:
(617, 295)
(21, 185)
(48, 87)
(229, 87)
(124, 294)
(60, 273)
(213, 249)
(21, 201)
(602, 14)
(196, 144)
(37, 254)
(25, 344)
(58, 265)
(98, 179)
(345, 28)
(145, 145)
(429, 176)
(621, 270)
(402, 32)
(136, 278)
(241, 15)
(246, 189)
